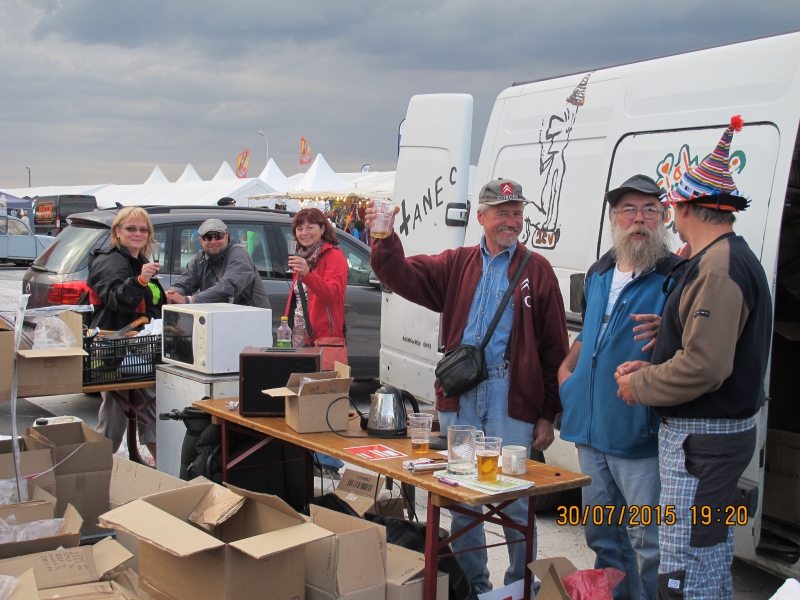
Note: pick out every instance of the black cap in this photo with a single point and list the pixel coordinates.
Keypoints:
(225, 201)
(637, 183)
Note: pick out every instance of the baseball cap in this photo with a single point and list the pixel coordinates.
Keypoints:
(212, 225)
(499, 191)
(226, 201)
(637, 183)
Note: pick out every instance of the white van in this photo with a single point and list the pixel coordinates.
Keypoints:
(570, 139)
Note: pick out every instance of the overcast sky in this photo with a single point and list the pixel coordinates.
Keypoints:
(99, 91)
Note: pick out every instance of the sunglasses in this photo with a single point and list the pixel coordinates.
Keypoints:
(132, 229)
(212, 235)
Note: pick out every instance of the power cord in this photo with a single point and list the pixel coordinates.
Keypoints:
(361, 416)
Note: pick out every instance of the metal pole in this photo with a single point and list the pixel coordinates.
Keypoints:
(22, 486)
(261, 133)
(29, 176)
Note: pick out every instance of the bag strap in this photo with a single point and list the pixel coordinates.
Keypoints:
(505, 300)
(304, 304)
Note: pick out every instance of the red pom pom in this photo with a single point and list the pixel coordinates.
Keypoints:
(737, 122)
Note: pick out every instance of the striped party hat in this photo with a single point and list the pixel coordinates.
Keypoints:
(710, 183)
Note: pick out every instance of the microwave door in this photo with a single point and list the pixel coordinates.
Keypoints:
(178, 336)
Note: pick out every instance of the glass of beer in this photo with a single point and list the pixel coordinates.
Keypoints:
(385, 210)
(487, 451)
(420, 425)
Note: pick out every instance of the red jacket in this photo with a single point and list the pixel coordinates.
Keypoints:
(327, 286)
(446, 283)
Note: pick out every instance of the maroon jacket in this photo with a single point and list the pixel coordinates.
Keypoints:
(445, 283)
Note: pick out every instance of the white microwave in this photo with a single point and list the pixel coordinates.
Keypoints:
(209, 337)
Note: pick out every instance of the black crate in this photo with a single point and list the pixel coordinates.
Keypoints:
(126, 359)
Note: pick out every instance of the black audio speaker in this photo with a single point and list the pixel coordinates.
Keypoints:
(267, 368)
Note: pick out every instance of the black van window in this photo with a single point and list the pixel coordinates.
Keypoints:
(70, 251)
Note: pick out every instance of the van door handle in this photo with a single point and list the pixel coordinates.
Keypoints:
(456, 214)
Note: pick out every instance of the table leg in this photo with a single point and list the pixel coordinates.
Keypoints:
(224, 451)
(133, 447)
(431, 550)
(309, 477)
(529, 533)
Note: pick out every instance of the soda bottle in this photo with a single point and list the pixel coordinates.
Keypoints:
(284, 334)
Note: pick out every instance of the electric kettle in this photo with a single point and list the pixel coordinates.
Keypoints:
(387, 413)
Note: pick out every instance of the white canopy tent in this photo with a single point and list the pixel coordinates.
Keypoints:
(320, 177)
(274, 177)
(189, 175)
(156, 177)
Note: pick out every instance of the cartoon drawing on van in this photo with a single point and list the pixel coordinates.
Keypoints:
(553, 165)
(673, 166)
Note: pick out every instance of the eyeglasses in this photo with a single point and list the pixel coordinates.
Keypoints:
(212, 235)
(648, 212)
(132, 229)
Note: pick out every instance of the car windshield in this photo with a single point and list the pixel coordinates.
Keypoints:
(3, 225)
(70, 251)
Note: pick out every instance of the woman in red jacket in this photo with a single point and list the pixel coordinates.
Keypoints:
(321, 268)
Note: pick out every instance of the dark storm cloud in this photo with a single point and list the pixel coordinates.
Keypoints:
(102, 91)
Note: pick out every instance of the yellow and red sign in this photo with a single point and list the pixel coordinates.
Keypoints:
(305, 152)
(241, 164)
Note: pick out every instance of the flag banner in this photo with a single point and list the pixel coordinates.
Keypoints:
(305, 152)
(365, 168)
(241, 164)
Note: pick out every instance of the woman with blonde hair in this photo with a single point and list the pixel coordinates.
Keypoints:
(122, 289)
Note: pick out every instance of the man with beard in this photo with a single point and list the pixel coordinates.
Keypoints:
(223, 271)
(518, 402)
(617, 446)
(706, 380)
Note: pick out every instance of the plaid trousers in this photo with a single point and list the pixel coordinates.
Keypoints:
(688, 571)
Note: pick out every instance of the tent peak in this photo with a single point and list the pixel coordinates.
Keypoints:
(189, 175)
(156, 177)
(225, 173)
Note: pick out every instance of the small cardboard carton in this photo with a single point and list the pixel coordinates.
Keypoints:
(550, 572)
(83, 471)
(35, 457)
(206, 541)
(311, 406)
(405, 575)
(359, 490)
(782, 476)
(42, 372)
(58, 568)
(42, 506)
(26, 587)
(131, 481)
(351, 564)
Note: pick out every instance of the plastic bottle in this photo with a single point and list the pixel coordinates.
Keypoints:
(284, 334)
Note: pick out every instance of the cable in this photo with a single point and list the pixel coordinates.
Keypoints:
(361, 415)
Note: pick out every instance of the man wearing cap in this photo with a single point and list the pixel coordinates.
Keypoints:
(223, 271)
(621, 289)
(519, 400)
(226, 201)
(705, 379)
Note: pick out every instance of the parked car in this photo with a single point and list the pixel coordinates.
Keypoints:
(50, 213)
(59, 275)
(17, 242)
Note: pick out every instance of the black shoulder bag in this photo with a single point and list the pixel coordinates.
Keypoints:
(464, 367)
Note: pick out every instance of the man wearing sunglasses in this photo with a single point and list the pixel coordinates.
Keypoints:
(223, 271)
(618, 446)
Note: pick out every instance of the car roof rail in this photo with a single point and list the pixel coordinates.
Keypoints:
(181, 208)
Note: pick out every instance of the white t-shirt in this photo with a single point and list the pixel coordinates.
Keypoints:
(620, 280)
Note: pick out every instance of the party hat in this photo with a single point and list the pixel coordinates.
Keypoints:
(578, 95)
(710, 184)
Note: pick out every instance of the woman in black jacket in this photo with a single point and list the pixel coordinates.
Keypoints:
(121, 283)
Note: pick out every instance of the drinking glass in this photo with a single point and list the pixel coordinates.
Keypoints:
(380, 228)
(461, 449)
(291, 246)
(488, 453)
(421, 424)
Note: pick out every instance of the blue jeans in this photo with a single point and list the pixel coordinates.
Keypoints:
(629, 482)
(486, 407)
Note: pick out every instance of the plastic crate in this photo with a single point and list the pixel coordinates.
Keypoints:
(126, 359)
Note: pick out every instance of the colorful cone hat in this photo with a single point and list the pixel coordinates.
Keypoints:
(578, 95)
(710, 183)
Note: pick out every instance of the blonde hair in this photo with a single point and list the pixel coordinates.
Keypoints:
(126, 214)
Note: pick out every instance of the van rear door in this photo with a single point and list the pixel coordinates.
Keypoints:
(431, 186)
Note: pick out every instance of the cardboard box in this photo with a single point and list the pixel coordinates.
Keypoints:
(26, 587)
(359, 490)
(550, 572)
(42, 506)
(782, 476)
(42, 372)
(72, 566)
(131, 481)
(405, 575)
(252, 546)
(350, 564)
(83, 471)
(307, 405)
(36, 457)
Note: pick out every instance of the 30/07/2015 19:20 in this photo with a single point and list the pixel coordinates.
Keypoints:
(633, 516)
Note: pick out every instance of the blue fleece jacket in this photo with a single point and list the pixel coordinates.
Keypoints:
(593, 413)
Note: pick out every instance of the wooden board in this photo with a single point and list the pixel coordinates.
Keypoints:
(547, 479)
(118, 387)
